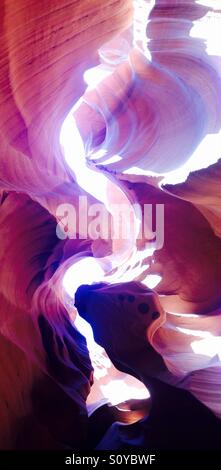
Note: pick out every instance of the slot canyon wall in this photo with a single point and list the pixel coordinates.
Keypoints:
(157, 105)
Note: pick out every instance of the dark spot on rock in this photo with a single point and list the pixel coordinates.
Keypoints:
(131, 298)
(121, 297)
(143, 308)
(155, 315)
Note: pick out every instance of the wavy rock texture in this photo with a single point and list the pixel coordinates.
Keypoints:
(202, 188)
(44, 52)
(152, 113)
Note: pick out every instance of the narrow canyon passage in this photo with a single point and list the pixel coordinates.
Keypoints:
(110, 332)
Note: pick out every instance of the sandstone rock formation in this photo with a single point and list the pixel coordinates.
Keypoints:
(159, 99)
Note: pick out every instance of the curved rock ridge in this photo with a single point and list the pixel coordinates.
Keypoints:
(134, 101)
